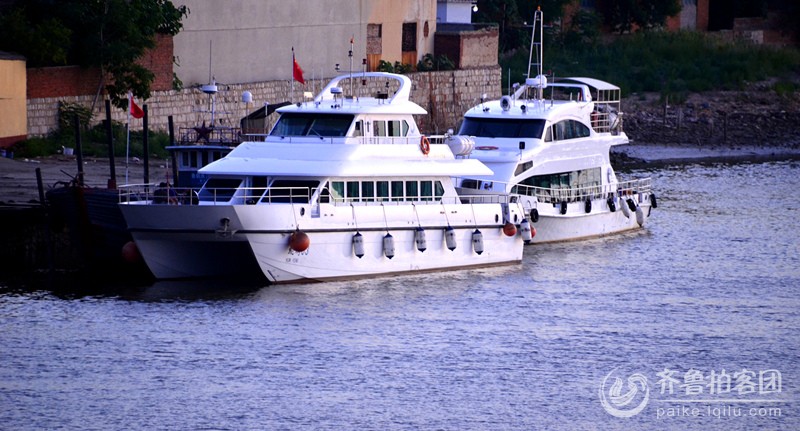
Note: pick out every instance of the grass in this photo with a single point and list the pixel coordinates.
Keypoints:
(93, 143)
(666, 62)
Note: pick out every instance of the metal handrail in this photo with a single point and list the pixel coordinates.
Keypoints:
(152, 194)
(574, 194)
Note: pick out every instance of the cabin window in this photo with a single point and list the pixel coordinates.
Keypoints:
(286, 191)
(397, 190)
(380, 191)
(502, 128)
(379, 128)
(412, 190)
(569, 186)
(522, 167)
(570, 129)
(383, 190)
(397, 128)
(357, 129)
(368, 191)
(258, 186)
(353, 190)
(219, 189)
(426, 190)
(337, 191)
(301, 124)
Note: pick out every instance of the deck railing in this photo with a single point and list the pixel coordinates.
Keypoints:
(151, 194)
(575, 194)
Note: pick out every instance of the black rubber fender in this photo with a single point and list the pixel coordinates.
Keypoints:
(534, 215)
(611, 205)
(653, 200)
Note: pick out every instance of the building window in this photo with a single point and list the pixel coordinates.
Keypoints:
(374, 45)
(409, 36)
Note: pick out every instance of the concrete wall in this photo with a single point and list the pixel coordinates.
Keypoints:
(251, 40)
(13, 115)
(445, 95)
(454, 11)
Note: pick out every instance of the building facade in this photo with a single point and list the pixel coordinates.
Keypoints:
(241, 41)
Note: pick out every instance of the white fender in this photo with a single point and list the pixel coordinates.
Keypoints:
(450, 238)
(625, 210)
(358, 245)
(525, 231)
(639, 216)
(419, 239)
(388, 245)
(477, 241)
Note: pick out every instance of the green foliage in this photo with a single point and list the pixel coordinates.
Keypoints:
(109, 34)
(785, 88)
(623, 15)
(514, 18)
(669, 63)
(397, 67)
(429, 63)
(68, 111)
(44, 42)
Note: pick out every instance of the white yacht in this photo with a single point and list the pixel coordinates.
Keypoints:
(342, 187)
(548, 145)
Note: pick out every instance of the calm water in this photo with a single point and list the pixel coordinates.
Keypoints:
(711, 287)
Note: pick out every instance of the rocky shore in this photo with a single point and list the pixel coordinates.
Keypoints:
(756, 124)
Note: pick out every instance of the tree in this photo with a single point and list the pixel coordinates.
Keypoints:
(109, 34)
(624, 15)
(514, 18)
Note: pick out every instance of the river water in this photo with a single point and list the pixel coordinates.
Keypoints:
(698, 315)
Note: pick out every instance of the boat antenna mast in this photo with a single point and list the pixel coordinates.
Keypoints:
(535, 58)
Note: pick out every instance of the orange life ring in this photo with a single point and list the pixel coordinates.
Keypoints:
(425, 145)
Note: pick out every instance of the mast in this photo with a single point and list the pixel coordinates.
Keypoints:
(537, 47)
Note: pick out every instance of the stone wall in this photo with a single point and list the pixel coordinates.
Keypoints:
(445, 95)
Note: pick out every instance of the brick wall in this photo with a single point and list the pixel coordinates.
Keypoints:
(71, 81)
(445, 95)
(468, 49)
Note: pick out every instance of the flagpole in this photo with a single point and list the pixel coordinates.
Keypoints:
(291, 95)
(128, 139)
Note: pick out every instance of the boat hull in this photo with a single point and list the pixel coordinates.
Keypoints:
(191, 241)
(331, 254)
(330, 229)
(186, 241)
(576, 224)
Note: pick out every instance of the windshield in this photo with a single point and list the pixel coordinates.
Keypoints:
(294, 124)
(502, 128)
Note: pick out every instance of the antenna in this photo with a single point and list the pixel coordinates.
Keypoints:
(350, 54)
(209, 60)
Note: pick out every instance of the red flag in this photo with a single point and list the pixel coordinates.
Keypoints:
(136, 111)
(297, 72)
